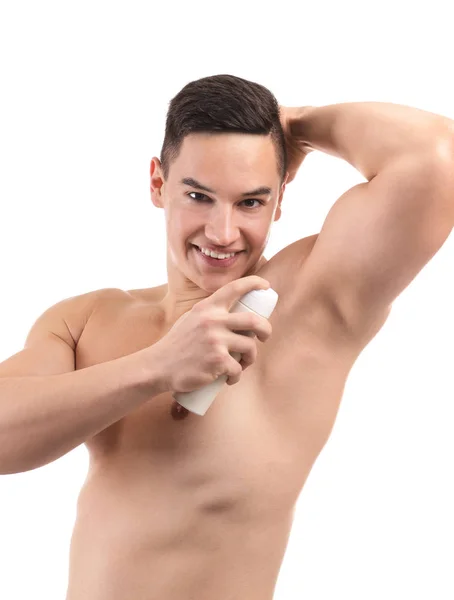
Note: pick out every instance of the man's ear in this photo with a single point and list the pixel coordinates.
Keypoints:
(156, 182)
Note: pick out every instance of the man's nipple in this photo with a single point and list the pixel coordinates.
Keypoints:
(178, 412)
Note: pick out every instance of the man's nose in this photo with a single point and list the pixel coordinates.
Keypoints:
(221, 228)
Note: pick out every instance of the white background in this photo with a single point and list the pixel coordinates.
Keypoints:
(84, 92)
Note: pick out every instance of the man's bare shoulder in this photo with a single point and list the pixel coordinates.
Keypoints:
(84, 305)
(78, 309)
(98, 298)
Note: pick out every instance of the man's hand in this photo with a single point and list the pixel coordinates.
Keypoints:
(297, 150)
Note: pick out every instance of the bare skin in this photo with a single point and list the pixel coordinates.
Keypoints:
(180, 507)
(177, 506)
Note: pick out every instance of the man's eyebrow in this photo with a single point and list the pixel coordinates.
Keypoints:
(260, 191)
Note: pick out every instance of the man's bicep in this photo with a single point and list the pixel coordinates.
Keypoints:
(379, 235)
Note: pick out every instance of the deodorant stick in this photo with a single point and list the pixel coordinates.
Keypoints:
(261, 302)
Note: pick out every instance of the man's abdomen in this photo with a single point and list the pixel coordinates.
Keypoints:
(168, 544)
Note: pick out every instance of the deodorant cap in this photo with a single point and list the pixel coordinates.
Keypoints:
(261, 301)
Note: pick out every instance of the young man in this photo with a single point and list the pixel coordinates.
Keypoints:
(177, 506)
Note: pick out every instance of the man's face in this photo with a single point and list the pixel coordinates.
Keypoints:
(228, 217)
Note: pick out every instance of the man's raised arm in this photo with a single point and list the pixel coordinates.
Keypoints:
(371, 135)
(379, 234)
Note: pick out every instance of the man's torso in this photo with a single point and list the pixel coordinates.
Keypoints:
(202, 507)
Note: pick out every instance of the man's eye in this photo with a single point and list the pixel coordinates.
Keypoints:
(202, 197)
(253, 200)
(197, 194)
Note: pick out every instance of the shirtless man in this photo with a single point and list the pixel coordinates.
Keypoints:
(181, 507)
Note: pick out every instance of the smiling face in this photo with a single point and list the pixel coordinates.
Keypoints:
(223, 192)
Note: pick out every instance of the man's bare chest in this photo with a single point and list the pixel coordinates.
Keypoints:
(265, 431)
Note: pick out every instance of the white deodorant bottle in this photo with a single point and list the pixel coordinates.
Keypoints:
(261, 302)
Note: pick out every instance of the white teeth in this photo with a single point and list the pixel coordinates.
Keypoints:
(215, 254)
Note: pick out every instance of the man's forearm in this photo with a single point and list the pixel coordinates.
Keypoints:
(43, 418)
(370, 134)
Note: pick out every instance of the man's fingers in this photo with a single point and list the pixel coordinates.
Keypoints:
(234, 290)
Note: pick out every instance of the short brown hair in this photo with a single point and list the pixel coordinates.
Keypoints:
(222, 103)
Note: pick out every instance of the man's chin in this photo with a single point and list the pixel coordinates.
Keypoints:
(213, 282)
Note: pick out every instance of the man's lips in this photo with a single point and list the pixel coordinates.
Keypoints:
(218, 251)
